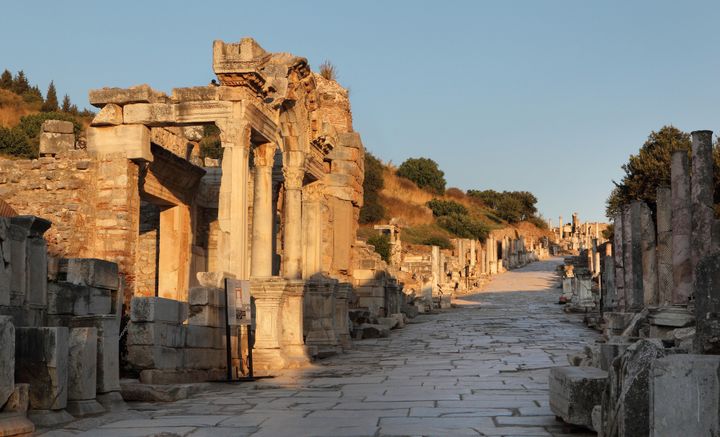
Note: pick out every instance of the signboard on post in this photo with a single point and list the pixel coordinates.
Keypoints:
(239, 303)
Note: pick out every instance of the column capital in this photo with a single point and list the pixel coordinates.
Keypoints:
(313, 192)
(293, 177)
(233, 133)
(264, 155)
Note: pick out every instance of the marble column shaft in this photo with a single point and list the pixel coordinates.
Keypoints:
(681, 227)
(262, 229)
(649, 256)
(292, 237)
(701, 195)
(664, 245)
(618, 261)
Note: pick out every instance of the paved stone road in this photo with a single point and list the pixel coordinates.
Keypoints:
(479, 369)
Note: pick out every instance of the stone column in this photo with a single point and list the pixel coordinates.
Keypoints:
(262, 229)
(233, 203)
(664, 245)
(312, 229)
(681, 227)
(701, 194)
(292, 256)
(436, 269)
(342, 320)
(637, 299)
(627, 259)
(649, 257)
(560, 229)
(609, 291)
(707, 305)
(618, 262)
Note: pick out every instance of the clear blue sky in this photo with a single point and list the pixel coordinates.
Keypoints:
(545, 96)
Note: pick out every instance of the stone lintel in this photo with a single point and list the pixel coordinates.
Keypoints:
(122, 96)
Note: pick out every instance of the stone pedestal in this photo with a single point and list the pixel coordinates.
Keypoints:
(342, 321)
(41, 360)
(574, 391)
(82, 372)
(267, 294)
(319, 315)
(292, 324)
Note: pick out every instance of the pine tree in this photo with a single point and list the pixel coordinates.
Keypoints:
(20, 83)
(66, 105)
(6, 80)
(51, 101)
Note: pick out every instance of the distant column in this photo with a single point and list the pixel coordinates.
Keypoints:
(618, 261)
(664, 245)
(649, 256)
(681, 227)
(701, 195)
(627, 258)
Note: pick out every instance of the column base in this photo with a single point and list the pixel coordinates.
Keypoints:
(269, 359)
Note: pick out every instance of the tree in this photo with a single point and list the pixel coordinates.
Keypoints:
(647, 170)
(425, 173)
(381, 242)
(20, 84)
(441, 207)
(372, 211)
(15, 142)
(6, 80)
(66, 105)
(51, 100)
(511, 206)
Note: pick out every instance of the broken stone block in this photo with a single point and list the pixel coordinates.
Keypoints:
(82, 366)
(7, 358)
(110, 115)
(58, 126)
(368, 330)
(614, 348)
(19, 400)
(91, 272)
(206, 296)
(388, 322)
(15, 424)
(675, 317)
(574, 392)
(41, 360)
(685, 396)
(629, 387)
(121, 96)
(154, 357)
(149, 114)
(53, 143)
(204, 315)
(157, 309)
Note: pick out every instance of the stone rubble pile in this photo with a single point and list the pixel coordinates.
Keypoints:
(657, 370)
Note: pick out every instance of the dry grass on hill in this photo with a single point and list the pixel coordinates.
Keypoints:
(13, 107)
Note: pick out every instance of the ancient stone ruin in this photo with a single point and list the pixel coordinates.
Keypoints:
(656, 371)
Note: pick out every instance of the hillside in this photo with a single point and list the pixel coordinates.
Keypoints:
(406, 205)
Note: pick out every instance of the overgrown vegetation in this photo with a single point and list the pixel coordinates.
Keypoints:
(372, 210)
(328, 71)
(648, 170)
(381, 242)
(210, 144)
(23, 140)
(429, 235)
(511, 206)
(425, 173)
(440, 207)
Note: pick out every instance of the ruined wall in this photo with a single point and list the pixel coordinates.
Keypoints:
(60, 189)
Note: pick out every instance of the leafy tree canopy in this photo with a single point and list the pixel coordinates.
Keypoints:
(425, 173)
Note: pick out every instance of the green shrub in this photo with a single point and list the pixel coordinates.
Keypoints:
(372, 211)
(15, 142)
(382, 245)
(538, 222)
(446, 207)
(425, 173)
(443, 242)
(511, 206)
(464, 226)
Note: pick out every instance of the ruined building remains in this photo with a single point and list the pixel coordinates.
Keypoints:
(656, 371)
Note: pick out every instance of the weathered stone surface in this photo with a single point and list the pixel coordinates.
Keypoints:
(701, 195)
(157, 309)
(121, 96)
(112, 401)
(196, 358)
(132, 140)
(681, 228)
(7, 358)
(53, 143)
(574, 391)
(154, 357)
(635, 300)
(41, 356)
(15, 424)
(92, 272)
(85, 407)
(207, 296)
(629, 388)
(135, 391)
(149, 114)
(49, 418)
(707, 305)
(649, 256)
(156, 333)
(110, 115)
(664, 245)
(19, 400)
(618, 249)
(685, 396)
(82, 364)
(57, 126)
